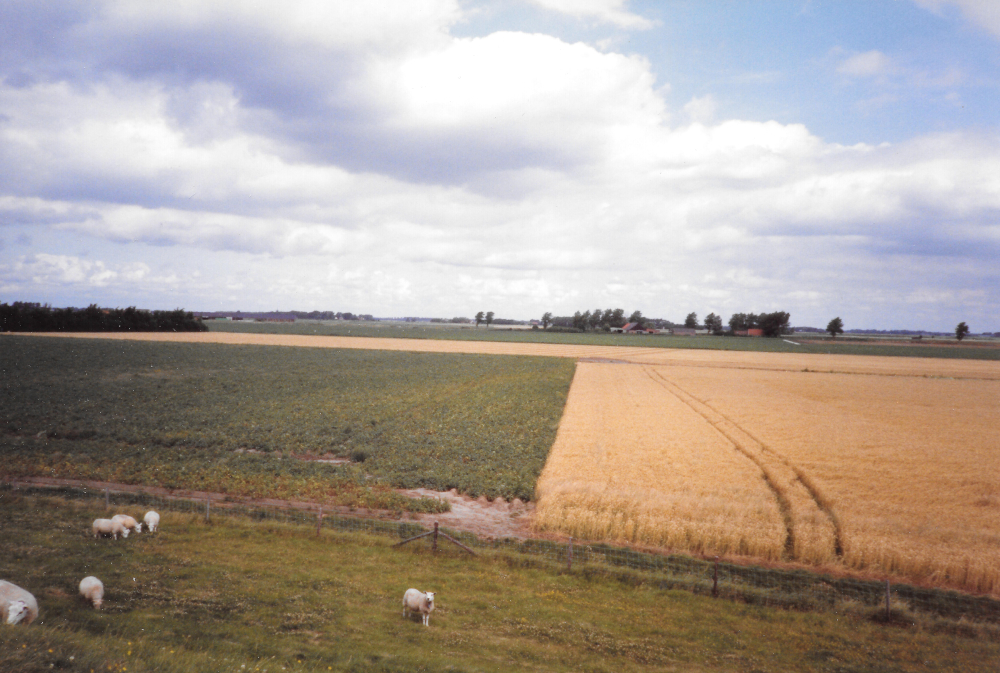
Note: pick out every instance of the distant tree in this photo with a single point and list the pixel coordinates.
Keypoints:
(835, 327)
(691, 320)
(738, 322)
(961, 330)
(596, 318)
(744, 321)
(637, 318)
(546, 319)
(774, 324)
(479, 318)
(580, 320)
(713, 323)
(489, 319)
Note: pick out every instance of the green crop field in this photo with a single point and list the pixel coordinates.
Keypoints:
(979, 349)
(236, 595)
(230, 418)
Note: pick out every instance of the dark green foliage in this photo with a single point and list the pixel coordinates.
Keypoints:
(835, 327)
(774, 324)
(961, 331)
(178, 414)
(28, 317)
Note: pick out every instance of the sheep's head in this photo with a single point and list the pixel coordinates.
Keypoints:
(430, 599)
(16, 611)
(124, 532)
(98, 601)
(138, 528)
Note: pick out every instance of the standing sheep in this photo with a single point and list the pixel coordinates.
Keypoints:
(419, 602)
(16, 604)
(109, 527)
(152, 520)
(92, 589)
(129, 523)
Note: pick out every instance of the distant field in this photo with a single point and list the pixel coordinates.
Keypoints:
(243, 596)
(221, 417)
(895, 470)
(975, 350)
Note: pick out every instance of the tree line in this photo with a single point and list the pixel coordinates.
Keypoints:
(771, 324)
(32, 317)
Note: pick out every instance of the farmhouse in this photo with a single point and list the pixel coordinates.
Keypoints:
(636, 328)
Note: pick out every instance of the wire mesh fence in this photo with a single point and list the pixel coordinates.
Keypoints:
(777, 587)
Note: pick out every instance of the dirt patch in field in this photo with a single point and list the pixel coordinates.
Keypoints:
(496, 519)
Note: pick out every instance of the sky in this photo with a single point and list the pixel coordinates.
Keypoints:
(441, 157)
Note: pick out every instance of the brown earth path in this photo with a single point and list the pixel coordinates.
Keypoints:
(847, 364)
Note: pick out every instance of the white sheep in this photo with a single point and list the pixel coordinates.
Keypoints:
(92, 589)
(129, 523)
(419, 602)
(111, 527)
(16, 604)
(152, 520)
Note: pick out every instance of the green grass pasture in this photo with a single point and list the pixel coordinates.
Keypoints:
(227, 418)
(970, 349)
(236, 595)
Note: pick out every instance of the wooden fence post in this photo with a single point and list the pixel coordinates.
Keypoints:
(715, 579)
(569, 555)
(319, 519)
(434, 545)
(208, 506)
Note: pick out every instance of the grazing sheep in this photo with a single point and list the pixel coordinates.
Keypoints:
(92, 589)
(152, 520)
(419, 602)
(16, 604)
(129, 523)
(109, 527)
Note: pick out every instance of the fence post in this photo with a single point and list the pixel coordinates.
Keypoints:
(319, 519)
(569, 555)
(434, 544)
(208, 505)
(887, 611)
(715, 579)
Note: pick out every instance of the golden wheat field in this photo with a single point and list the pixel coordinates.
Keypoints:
(893, 472)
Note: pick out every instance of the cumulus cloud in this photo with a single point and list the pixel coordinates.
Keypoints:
(869, 64)
(985, 13)
(607, 11)
(356, 160)
(700, 109)
(44, 269)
